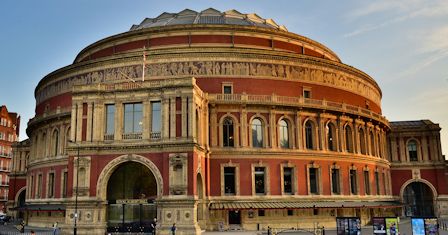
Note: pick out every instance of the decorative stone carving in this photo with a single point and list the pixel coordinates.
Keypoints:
(208, 68)
(178, 174)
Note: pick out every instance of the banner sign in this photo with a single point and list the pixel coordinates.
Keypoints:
(425, 226)
(348, 225)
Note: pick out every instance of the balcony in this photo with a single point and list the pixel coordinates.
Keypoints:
(4, 169)
(132, 136)
(109, 136)
(155, 135)
(295, 102)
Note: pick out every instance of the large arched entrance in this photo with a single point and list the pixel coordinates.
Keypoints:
(418, 199)
(131, 191)
(21, 204)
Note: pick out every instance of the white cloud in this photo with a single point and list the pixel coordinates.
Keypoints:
(401, 10)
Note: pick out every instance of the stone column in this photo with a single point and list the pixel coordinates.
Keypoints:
(320, 133)
(146, 129)
(243, 121)
(173, 118)
(90, 107)
(79, 123)
(192, 120)
(403, 156)
(184, 117)
(72, 124)
(165, 118)
(299, 130)
(272, 125)
(119, 115)
(424, 148)
(214, 126)
(98, 122)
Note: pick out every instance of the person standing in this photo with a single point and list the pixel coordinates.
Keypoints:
(173, 229)
(154, 226)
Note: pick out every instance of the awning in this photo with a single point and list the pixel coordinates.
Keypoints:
(41, 207)
(246, 205)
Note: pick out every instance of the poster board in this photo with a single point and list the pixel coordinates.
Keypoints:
(379, 225)
(348, 226)
(392, 227)
(418, 226)
(424, 226)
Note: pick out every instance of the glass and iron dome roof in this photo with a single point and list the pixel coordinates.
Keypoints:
(208, 16)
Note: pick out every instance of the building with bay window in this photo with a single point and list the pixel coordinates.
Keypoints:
(9, 134)
(207, 119)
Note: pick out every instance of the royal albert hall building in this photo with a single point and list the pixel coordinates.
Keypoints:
(210, 120)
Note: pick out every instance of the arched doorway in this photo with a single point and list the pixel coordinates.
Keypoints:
(21, 204)
(418, 200)
(131, 191)
(200, 205)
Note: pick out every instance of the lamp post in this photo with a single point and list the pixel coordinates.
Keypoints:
(76, 188)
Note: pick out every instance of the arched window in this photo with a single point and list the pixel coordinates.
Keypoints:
(372, 144)
(227, 133)
(348, 139)
(55, 142)
(283, 134)
(257, 133)
(44, 145)
(309, 135)
(412, 151)
(331, 141)
(380, 144)
(362, 141)
(66, 140)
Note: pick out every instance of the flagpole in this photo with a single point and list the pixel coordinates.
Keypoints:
(144, 64)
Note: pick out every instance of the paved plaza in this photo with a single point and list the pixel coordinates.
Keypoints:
(405, 229)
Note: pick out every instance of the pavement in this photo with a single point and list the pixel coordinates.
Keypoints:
(404, 228)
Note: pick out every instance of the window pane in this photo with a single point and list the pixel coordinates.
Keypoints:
(227, 89)
(367, 182)
(287, 179)
(110, 119)
(348, 139)
(156, 120)
(412, 150)
(138, 116)
(133, 118)
(229, 180)
(284, 134)
(335, 181)
(377, 183)
(228, 140)
(353, 185)
(257, 133)
(362, 141)
(128, 118)
(330, 137)
(313, 181)
(309, 135)
(259, 180)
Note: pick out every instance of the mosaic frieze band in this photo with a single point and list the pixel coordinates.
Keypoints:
(208, 68)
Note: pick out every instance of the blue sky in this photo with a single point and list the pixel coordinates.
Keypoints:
(402, 44)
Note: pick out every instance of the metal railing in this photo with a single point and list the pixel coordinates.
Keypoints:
(132, 136)
(155, 135)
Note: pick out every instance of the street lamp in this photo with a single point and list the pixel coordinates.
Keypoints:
(76, 189)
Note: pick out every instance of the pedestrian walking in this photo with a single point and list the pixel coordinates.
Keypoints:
(173, 229)
(55, 228)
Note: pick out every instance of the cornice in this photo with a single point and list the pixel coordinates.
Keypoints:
(151, 32)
